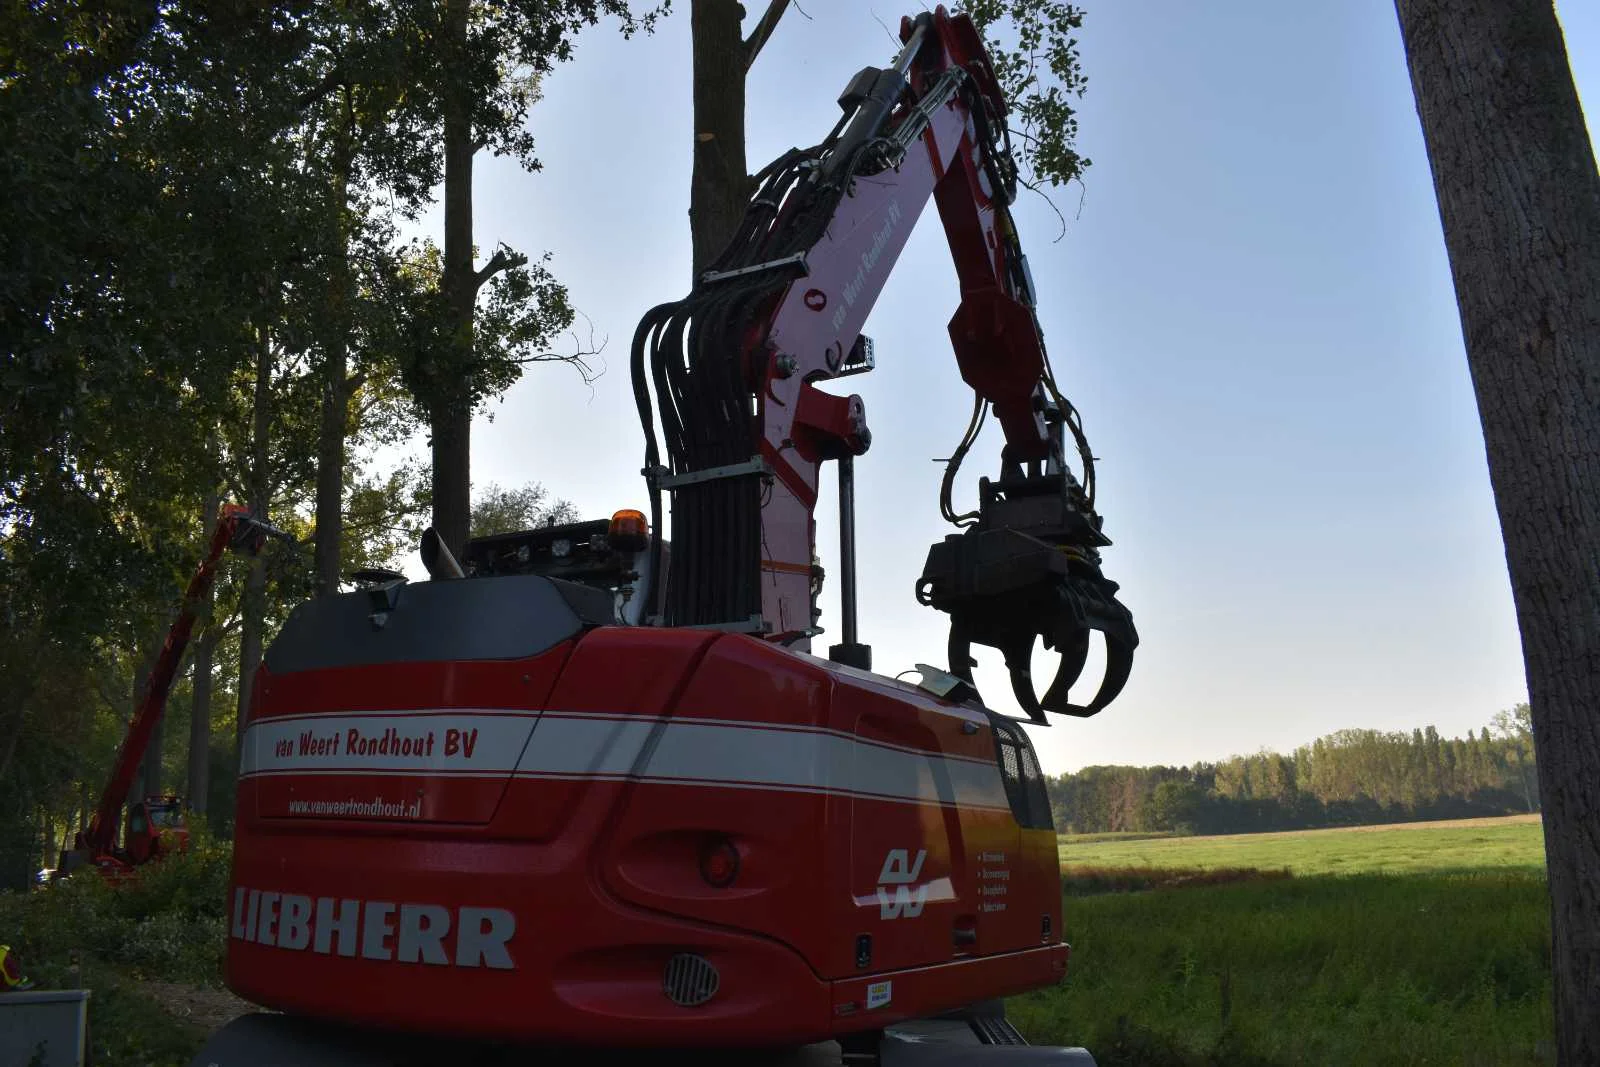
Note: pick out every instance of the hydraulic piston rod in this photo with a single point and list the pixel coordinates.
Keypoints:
(850, 652)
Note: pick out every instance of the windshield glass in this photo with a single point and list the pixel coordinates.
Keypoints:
(165, 818)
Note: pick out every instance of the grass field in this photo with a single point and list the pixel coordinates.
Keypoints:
(1516, 841)
(1429, 946)
(1405, 945)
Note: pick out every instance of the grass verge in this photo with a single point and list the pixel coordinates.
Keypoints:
(1092, 881)
(1371, 969)
(1515, 842)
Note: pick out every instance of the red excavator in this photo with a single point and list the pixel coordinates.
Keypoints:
(156, 825)
(577, 793)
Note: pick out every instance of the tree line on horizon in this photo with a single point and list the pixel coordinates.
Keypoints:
(1347, 778)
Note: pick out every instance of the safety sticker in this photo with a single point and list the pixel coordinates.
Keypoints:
(879, 994)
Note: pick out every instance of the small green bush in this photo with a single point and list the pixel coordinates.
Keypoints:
(169, 922)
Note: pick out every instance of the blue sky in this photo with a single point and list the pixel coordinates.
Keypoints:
(1251, 306)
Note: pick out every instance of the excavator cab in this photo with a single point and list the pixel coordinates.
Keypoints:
(156, 827)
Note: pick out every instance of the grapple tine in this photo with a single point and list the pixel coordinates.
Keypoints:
(1119, 664)
(1091, 604)
(1074, 654)
(1019, 664)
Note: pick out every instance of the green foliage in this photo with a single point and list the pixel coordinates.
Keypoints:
(170, 923)
(153, 229)
(501, 510)
(1443, 968)
(412, 72)
(512, 46)
(1349, 778)
(175, 227)
(1034, 48)
(521, 308)
(384, 516)
(1174, 805)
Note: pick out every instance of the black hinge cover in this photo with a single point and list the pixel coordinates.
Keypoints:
(854, 655)
(859, 89)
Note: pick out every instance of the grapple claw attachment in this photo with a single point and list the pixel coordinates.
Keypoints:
(1005, 589)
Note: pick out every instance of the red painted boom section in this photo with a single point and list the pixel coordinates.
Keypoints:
(102, 831)
(817, 320)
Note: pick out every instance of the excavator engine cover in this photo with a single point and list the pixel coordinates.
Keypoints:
(478, 809)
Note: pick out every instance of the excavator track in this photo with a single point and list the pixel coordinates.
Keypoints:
(975, 1039)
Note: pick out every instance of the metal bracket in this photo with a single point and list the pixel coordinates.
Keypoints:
(944, 685)
(796, 260)
(860, 359)
(921, 117)
(753, 465)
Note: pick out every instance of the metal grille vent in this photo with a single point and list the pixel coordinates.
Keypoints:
(689, 980)
(1024, 784)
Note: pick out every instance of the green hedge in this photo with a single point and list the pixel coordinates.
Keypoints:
(168, 923)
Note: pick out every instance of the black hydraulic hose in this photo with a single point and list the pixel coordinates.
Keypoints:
(692, 352)
(648, 330)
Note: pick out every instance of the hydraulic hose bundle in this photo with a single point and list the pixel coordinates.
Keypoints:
(691, 352)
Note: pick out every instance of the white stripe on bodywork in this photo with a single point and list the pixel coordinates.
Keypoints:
(276, 746)
(708, 752)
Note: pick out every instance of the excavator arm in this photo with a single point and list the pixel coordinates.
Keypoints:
(239, 530)
(744, 426)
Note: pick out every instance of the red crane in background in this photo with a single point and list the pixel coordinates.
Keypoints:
(155, 824)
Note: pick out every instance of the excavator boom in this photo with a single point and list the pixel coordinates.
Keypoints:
(737, 366)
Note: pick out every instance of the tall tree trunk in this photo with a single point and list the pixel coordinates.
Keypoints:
(1519, 198)
(335, 376)
(1522, 776)
(719, 185)
(8, 748)
(200, 686)
(452, 410)
(253, 610)
(47, 823)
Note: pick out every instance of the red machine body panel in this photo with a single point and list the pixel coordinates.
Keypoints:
(513, 849)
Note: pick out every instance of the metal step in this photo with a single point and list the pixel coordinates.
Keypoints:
(996, 1030)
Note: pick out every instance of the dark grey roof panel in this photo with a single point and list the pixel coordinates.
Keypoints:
(499, 618)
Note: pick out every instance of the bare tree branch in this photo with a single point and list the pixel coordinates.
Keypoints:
(498, 262)
(886, 29)
(578, 357)
(330, 81)
(1034, 186)
(758, 36)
